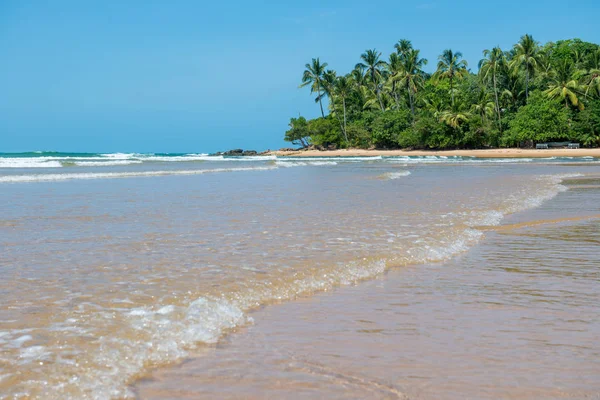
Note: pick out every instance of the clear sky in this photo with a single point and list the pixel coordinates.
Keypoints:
(191, 76)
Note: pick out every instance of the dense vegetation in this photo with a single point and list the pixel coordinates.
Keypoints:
(519, 97)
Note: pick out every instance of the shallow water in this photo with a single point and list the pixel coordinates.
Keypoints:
(516, 317)
(110, 270)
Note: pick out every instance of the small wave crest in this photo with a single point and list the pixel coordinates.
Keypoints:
(336, 159)
(110, 175)
(28, 163)
(394, 175)
(289, 164)
(102, 163)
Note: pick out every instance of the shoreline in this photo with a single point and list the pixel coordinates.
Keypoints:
(387, 327)
(485, 153)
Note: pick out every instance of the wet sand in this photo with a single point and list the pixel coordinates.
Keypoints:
(488, 153)
(515, 317)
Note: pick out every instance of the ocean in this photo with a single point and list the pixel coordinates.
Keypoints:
(197, 276)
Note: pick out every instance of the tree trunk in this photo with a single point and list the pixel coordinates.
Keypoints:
(395, 95)
(497, 104)
(526, 84)
(452, 93)
(345, 131)
(320, 99)
(412, 104)
(337, 116)
(377, 90)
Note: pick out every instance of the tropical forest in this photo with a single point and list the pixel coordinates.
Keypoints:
(517, 97)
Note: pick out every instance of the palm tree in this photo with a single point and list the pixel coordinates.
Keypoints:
(565, 84)
(450, 66)
(454, 119)
(412, 76)
(359, 77)
(592, 75)
(374, 67)
(403, 47)
(489, 67)
(484, 107)
(328, 82)
(526, 58)
(343, 89)
(395, 69)
(313, 76)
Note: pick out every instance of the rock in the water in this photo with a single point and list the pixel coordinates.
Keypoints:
(236, 153)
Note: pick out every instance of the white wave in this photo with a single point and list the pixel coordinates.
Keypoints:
(106, 163)
(454, 159)
(111, 175)
(289, 164)
(484, 218)
(337, 159)
(395, 175)
(179, 158)
(38, 162)
(119, 156)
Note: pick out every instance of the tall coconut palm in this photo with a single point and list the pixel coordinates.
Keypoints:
(592, 73)
(394, 69)
(343, 89)
(329, 89)
(328, 82)
(374, 66)
(412, 76)
(489, 68)
(403, 47)
(451, 67)
(565, 85)
(526, 58)
(483, 106)
(313, 76)
(358, 77)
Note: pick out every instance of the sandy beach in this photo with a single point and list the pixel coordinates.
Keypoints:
(487, 153)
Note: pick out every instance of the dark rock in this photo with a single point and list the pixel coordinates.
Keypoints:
(234, 152)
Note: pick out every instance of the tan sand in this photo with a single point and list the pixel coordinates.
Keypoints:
(488, 153)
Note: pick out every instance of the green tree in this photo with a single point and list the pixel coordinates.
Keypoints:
(484, 107)
(592, 73)
(565, 85)
(587, 124)
(343, 89)
(298, 133)
(526, 58)
(313, 76)
(388, 126)
(374, 66)
(412, 76)
(450, 67)
(489, 69)
(403, 47)
(541, 120)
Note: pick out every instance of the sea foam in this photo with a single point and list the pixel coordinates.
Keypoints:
(111, 175)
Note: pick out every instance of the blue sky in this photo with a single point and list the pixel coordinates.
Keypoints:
(188, 76)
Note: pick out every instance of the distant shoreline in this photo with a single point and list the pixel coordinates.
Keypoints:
(487, 153)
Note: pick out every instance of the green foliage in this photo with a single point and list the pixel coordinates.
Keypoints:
(298, 133)
(387, 128)
(587, 124)
(325, 132)
(530, 93)
(541, 120)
